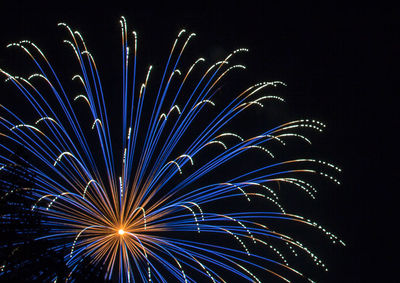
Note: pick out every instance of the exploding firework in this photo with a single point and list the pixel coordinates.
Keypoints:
(163, 205)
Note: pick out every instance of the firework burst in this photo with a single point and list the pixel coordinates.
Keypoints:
(148, 209)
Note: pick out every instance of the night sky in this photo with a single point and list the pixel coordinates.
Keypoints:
(336, 60)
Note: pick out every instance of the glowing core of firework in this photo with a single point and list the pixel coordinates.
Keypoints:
(121, 232)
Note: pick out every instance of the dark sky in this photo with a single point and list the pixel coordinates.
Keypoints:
(336, 59)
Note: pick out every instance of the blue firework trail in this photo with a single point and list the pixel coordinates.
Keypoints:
(132, 209)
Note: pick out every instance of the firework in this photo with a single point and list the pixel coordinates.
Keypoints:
(148, 209)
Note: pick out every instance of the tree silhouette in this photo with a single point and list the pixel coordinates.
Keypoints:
(24, 257)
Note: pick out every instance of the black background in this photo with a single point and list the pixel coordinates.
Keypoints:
(336, 59)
